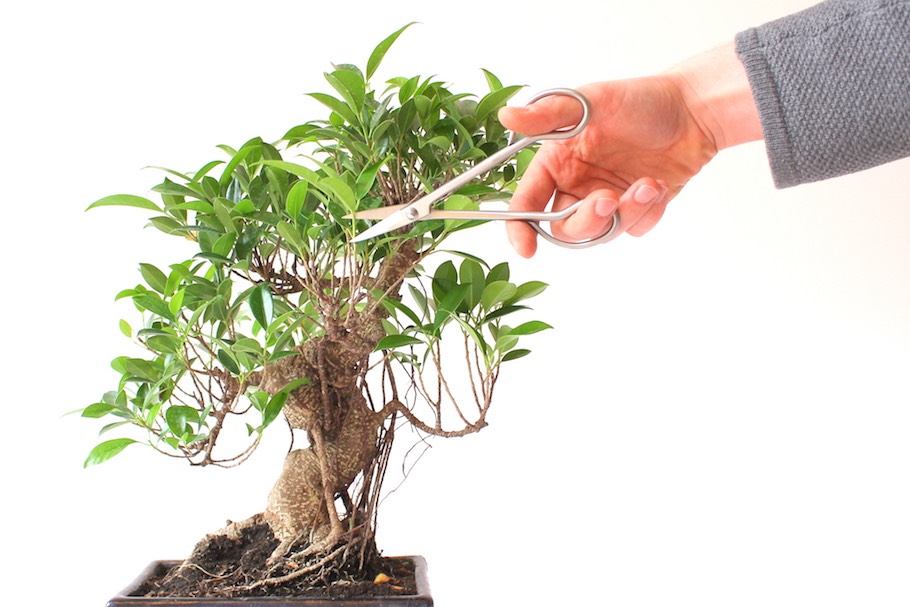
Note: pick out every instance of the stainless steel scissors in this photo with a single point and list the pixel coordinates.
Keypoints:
(398, 216)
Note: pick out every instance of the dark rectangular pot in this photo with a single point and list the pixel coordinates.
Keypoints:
(127, 597)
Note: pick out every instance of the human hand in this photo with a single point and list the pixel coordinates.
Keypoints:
(638, 150)
(645, 139)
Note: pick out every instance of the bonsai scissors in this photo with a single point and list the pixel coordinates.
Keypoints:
(401, 215)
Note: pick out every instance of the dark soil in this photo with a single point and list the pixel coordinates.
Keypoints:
(227, 567)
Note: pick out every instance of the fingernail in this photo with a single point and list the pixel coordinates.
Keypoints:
(645, 194)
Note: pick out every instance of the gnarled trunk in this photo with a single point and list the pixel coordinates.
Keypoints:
(343, 433)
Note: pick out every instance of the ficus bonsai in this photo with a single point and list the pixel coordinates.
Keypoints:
(279, 317)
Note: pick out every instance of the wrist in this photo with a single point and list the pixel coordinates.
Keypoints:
(716, 91)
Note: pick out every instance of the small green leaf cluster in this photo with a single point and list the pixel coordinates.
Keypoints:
(274, 266)
(474, 297)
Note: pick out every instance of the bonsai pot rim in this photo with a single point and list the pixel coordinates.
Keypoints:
(127, 598)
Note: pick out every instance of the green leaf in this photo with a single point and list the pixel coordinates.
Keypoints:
(339, 191)
(178, 417)
(514, 354)
(249, 346)
(176, 302)
(154, 277)
(381, 49)
(449, 304)
(411, 314)
(273, 409)
(499, 272)
(440, 141)
(305, 173)
(215, 258)
(528, 290)
(125, 200)
(503, 311)
(126, 329)
(366, 178)
(276, 403)
(168, 225)
(262, 305)
(107, 450)
(494, 100)
(419, 298)
(223, 208)
(165, 344)
(296, 198)
(472, 275)
(506, 342)
(200, 206)
(229, 362)
(492, 81)
(407, 89)
(97, 410)
(138, 368)
(444, 280)
(528, 328)
(223, 245)
(228, 174)
(390, 342)
(292, 235)
(204, 170)
(350, 85)
(336, 105)
(458, 202)
(154, 304)
(175, 189)
(496, 293)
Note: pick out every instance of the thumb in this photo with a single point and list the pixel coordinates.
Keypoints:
(542, 116)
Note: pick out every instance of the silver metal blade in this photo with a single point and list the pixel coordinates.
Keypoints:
(394, 221)
(384, 212)
(378, 213)
(480, 214)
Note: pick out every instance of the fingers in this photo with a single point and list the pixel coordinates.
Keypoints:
(592, 219)
(532, 194)
(640, 208)
(542, 116)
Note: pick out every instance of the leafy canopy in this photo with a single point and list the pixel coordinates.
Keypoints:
(274, 266)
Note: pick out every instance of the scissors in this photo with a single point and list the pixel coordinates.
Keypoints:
(397, 216)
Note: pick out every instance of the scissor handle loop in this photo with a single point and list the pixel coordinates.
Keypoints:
(565, 133)
(610, 234)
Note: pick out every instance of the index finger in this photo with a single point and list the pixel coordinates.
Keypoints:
(533, 193)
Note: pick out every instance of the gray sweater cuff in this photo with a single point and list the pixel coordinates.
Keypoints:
(832, 86)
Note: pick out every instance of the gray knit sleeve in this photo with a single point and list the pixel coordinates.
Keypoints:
(832, 85)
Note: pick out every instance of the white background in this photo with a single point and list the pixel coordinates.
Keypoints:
(720, 417)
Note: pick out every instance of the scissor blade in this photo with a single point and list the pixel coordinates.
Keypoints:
(460, 214)
(378, 213)
(394, 221)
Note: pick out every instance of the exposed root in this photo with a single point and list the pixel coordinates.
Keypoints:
(319, 547)
(299, 573)
(236, 562)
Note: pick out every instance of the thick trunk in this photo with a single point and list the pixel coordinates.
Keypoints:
(343, 433)
(297, 507)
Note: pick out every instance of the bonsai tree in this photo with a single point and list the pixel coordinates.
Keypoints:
(279, 317)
